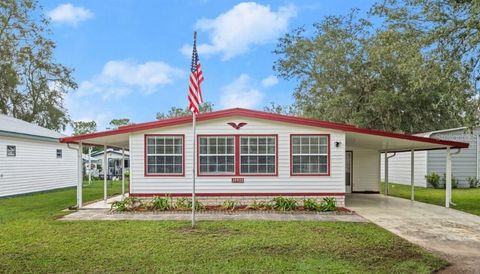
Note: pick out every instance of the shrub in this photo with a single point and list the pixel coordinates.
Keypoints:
(284, 204)
(159, 203)
(259, 205)
(311, 205)
(433, 179)
(328, 204)
(230, 205)
(186, 203)
(127, 204)
(473, 182)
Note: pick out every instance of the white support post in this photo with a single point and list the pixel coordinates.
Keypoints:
(386, 173)
(105, 168)
(123, 172)
(448, 179)
(89, 165)
(412, 174)
(80, 177)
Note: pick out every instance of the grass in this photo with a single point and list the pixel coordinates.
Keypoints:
(466, 199)
(32, 240)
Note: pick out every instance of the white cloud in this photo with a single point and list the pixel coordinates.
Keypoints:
(119, 78)
(69, 14)
(269, 81)
(241, 93)
(245, 25)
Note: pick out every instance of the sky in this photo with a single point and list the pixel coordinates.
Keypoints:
(131, 58)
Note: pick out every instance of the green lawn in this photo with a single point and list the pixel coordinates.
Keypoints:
(31, 240)
(466, 199)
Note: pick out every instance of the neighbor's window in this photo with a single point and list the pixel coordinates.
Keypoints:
(258, 154)
(217, 155)
(11, 151)
(164, 155)
(59, 153)
(309, 154)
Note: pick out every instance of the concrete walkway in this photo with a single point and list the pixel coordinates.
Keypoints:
(453, 234)
(106, 215)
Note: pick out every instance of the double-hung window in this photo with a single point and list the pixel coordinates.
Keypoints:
(310, 154)
(164, 155)
(258, 155)
(217, 155)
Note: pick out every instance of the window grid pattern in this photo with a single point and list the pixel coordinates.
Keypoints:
(257, 155)
(310, 154)
(217, 155)
(165, 155)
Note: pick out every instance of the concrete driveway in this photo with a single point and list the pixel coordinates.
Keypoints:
(453, 234)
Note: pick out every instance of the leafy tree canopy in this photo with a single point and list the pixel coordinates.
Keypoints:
(115, 123)
(32, 84)
(178, 112)
(350, 72)
(84, 127)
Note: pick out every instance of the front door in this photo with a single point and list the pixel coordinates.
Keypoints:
(348, 171)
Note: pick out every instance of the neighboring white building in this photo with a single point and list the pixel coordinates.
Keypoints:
(249, 154)
(32, 158)
(114, 160)
(464, 164)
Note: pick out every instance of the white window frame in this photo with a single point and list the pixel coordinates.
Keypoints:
(208, 154)
(294, 153)
(164, 154)
(258, 154)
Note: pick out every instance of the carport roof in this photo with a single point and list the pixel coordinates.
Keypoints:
(355, 136)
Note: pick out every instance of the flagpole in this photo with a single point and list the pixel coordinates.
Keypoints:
(193, 170)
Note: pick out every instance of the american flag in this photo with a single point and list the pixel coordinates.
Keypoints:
(196, 78)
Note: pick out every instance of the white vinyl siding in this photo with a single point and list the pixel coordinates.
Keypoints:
(281, 183)
(399, 168)
(35, 166)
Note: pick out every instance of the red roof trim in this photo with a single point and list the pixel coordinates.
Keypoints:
(260, 115)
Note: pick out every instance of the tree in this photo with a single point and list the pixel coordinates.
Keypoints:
(84, 127)
(281, 109)
(32, 85)
(116, 123)
(351, 72)
(178, 112)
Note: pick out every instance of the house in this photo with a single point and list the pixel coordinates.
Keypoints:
(247, 154)
(465, 163)
(114, 160)
(33, 159)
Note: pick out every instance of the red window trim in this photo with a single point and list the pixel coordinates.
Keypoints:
(328, 156)
(237, 156)
(145, 170)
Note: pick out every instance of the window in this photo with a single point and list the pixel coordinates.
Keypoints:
(310, 154)
(11, 151)
(164, 155)
(257, 155)
(217, 155)
(59, 153)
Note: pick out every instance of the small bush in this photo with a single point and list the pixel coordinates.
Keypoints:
(284, 204)
(159, 203)
(127, 204)
(473, 182)
(259, 205)
(230, 205)
(311, 205)
(328, 204)
(433, 179)
(186, 203)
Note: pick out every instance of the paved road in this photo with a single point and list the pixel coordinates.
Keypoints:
(450, 233)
